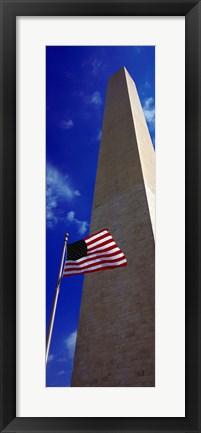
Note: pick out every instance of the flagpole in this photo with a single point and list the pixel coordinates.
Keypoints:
(54, 306)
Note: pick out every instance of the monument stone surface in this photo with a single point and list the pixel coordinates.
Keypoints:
(116, 333)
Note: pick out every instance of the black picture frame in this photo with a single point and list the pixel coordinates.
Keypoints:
(191, 9)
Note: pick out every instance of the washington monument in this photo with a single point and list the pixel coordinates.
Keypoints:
(116, 333)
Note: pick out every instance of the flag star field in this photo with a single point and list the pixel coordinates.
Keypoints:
(76, 84)
(76, 250)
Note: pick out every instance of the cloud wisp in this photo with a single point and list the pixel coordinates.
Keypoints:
(61, 372)
(50, 358)
(66, 124)
(95, 66)
(147, 85)
(63, 359)
(90, 99)
(138, 49)
(58, 189)
(81, 225)
(98, 137)
(95, 98)
(149, 112)
(70, 344)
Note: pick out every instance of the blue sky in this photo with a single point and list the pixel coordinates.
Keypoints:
(76, 83)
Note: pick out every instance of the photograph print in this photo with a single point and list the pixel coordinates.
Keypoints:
(100, 216)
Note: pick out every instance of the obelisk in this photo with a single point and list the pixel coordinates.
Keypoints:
(116, 333)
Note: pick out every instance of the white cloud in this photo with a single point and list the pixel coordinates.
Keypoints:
(50, 358)
(64, 359)
(99, 135)
(58, 189)
(149, 112)
(81, 225)
(95, 98)
(147, 85)
(58, 184)
(51, 205)
(138, 49)
(148, 102)
(77, 193)
(60, 373)
(70, 344)
(71, 216)
(66, 124)
(95, 66)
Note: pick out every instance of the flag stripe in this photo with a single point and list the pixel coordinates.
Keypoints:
(104, 248)
(95, 236)
(88, 261)
(97, 267)
(97, 261)
(104, 251)
(106, 254)
(101, 241)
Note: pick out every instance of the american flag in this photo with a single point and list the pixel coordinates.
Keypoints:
(93, 253)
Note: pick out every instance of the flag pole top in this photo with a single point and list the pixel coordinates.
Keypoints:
(66, 236)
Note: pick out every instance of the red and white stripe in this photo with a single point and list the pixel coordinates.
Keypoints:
(102, 253)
